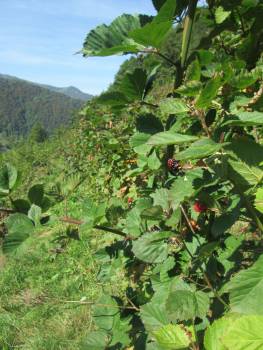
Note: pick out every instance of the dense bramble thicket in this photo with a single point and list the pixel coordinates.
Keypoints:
(176, 174)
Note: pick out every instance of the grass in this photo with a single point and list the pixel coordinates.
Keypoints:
(37, 287)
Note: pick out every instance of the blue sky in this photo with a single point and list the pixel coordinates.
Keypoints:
(38, 39)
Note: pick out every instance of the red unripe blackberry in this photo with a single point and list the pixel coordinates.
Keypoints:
(173, 164)
(199, 207)
(130, 200)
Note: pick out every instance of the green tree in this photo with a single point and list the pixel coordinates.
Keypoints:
(38, 133)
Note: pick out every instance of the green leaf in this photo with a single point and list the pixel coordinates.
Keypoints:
(246, 333)
(215, 333)
(115, 99)
(19, 228)
(246, 289)
(246, 119)
(132, 85)
(139, 143)
(153, 161)
(221, 15)
(36, 194)
(151, 247)
(244, 175)
(259, 200)
(160, 197)
(104, 312)
(111, 40)
(185, 305)
(209, 92)
(148, 124)
(153, 213)
(205, 57)
(191, 88)
(200, 149)
(34, 214)
(173, 106)
(173, 337)
(96, 340)
(244, 79)
(154, 33)
(170, 138)
(193, 72)
(186, 187)
(8, 178)
(21, 205)
(235, 332)
(153, 316)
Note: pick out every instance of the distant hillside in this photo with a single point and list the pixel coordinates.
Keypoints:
(70, 91)
(23, 104)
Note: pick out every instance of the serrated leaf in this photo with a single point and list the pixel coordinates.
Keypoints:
(215, 333)
(246, 289)
(111, 40)
(34, 214)
(133, 84)
(19, 228)
(104, 312)
(173, 106)
(245, 334)
(200, 149)
(172, 337)
(185, 187)
(209, 92)
(149, 124)
(244, 175)
(193, 72)
(259, 200)
(153, 316)
(221, 14)
(151, 247)
(154, 33)
(36, 194)
(246, 119)
(184, 305)
(8, 178)
(96, 340)
(191, 88)
(139, 143)
(169, 138)
(161, 198)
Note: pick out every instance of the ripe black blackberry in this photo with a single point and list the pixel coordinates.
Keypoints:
(174, 166)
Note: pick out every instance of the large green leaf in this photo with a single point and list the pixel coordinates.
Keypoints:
(209, 92)
(246, 119)
(221, 15)
(105, 311)
(111, 40)
(115, 99)
(36, 194)
(215, 333)
(34, 214)
(173, 337)
(173, 106)
(153, 316)
(235, 332)
(259, 200)
(133, 85)
(190, 88)
(244, 175)
(149, 124)
(151, 247)
(8, 178)
(19, 228)
(185, 187)
(246, 289)
(245, 334)
(185, 305)
(170, 138)
(154, 33)
(200, 149)
(96, 340)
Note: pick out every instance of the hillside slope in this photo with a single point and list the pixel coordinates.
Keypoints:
(23, 103)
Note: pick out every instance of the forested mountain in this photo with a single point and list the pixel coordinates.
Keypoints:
(23, 104)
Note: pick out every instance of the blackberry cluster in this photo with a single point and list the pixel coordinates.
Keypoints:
(174, 166)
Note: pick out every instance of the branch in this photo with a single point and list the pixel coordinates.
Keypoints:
(98, 227)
